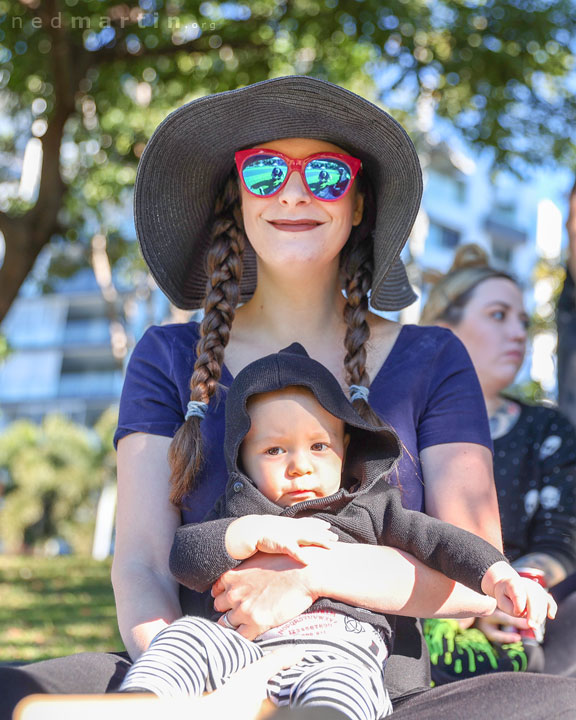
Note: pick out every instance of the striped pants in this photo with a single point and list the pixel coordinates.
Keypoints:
(194, 655)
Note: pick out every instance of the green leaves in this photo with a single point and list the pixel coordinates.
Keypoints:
(92, 80)
(55, 472)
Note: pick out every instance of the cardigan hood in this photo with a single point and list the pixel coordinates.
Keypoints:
(373, 451)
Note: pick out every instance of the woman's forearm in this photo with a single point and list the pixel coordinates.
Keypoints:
(145, 604)
(387, 580)
(146, 593)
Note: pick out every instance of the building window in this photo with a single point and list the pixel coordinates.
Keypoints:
(446, 187)
(440, 236)
(502, 254)
(30, 375)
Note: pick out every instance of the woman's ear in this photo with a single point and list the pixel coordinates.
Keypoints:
(358, 209)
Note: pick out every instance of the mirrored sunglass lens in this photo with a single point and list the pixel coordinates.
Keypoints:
(327, 178)
(263, 174)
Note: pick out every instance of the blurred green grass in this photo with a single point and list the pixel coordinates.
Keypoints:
(51, 607)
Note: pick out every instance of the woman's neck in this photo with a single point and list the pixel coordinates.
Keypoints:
(502, 413)
(308, 307)
(493, 402)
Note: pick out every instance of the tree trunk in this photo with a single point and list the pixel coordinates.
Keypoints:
(27, 234)
(18, 261)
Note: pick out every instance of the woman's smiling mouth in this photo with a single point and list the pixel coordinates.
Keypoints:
(295, 225)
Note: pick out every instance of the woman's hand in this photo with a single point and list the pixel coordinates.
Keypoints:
(465, 623)
(492, 626)
(260, 596)
(263, 592)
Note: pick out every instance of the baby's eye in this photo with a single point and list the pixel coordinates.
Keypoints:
(318, 447)
(498, 315)
(274, 451)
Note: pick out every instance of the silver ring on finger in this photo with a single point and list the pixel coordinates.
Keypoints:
(226, 622)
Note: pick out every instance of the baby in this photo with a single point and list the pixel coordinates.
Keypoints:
(306, 469)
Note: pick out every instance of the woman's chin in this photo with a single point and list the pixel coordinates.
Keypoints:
(505, 379)
(296, 264)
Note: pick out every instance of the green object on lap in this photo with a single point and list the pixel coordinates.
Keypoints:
(456, 654)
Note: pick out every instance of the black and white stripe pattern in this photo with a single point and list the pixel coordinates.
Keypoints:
(194, 655)
(189, 657)
(332, 673)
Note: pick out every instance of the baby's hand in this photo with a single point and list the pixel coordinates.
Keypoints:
(523, 597)
(276, 534)
(518, 596)
(282, 535)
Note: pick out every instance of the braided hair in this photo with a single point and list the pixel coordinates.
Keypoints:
(357, 267)
(224, 271)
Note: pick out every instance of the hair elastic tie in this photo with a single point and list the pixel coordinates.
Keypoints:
(358, 392)
(196, 408)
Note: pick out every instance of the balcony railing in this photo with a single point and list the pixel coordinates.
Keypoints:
(90, 384)
(88, 332)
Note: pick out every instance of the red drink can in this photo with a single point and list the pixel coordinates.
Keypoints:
(535, 635)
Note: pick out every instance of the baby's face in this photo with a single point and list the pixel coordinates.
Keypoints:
(295, 449)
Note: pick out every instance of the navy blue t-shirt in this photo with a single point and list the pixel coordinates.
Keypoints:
(427, 390)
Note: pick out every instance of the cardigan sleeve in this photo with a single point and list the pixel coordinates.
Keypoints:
(198, 556)
(456, 553)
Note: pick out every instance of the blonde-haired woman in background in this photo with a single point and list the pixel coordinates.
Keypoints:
(534, 469)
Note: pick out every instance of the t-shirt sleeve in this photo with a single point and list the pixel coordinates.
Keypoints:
(455, 410)
(150, 401)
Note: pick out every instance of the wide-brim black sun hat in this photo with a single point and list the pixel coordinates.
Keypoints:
(191, 153)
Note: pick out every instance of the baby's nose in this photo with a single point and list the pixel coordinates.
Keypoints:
(300, 464)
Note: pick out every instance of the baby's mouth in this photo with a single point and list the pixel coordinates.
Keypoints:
(301, 493)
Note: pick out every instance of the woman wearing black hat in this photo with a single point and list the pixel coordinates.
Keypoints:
(218, 227)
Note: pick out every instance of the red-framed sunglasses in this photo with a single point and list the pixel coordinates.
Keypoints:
(328, 176)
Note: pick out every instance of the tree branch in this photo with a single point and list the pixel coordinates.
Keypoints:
(118, 52)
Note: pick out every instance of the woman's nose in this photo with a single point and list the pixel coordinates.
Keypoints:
(518, 330)
(294, 191)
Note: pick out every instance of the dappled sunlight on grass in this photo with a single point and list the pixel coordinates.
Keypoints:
(55, 606)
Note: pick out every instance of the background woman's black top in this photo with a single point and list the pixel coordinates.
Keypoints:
(535, 473)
